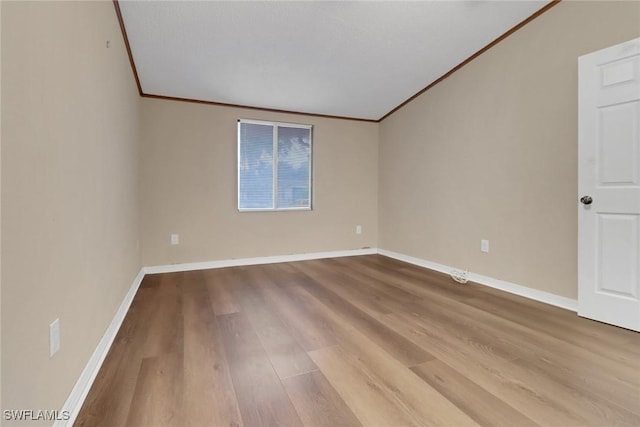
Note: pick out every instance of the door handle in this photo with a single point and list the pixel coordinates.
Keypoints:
(586, 200)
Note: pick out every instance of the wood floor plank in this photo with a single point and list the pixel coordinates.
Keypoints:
(305, 323)
(419, 400)
(476, 335)
(538, 397)
(361, 294)
(479, 404)
(109, 400)
(414, 279)
(508, 340)
(422, 285)
(560, 316)
(166, 331)
(373, 283)
(575, 333)
(369, 400)
(548, 319)
(282, 274)
(283, 267)
(554, 359)
(286, 355)
(515, 392)
(317, 402)
(193, 282)
(261, 396)
(211, 400)
(401, 348)
(559, 360)
(220, 285)
(158, 397)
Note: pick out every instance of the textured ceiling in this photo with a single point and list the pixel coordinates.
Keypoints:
(351, 59)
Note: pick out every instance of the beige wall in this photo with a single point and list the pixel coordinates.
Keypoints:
(491, 153)
(69, 191)
(0, 205)
(188, 186)
(488, 154)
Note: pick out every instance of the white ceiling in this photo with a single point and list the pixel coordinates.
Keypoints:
(340, 58)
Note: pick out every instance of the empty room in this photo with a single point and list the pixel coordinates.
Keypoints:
(320, 213)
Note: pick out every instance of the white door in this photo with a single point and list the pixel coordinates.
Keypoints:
(609, 185)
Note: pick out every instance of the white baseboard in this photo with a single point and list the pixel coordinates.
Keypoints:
(254, 261)
(83, 385)
(546, 297)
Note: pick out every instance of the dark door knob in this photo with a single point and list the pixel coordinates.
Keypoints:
(586, 200)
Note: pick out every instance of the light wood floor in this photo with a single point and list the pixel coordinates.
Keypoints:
(357, 341)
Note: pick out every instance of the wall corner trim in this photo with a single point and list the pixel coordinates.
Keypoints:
(512, 288)
(80, 390)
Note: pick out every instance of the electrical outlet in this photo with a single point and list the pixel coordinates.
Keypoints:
(175, 239)
(54, 337)
(358, 229)
(484, 245)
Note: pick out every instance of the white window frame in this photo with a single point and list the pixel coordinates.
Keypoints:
(275, 126)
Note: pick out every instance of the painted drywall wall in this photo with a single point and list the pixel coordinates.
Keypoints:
(1, 205)
(188, 186)
(491, 153)
(69, 191)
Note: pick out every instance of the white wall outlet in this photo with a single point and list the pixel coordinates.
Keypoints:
(358, 229)
(484, 245)
(175, 239)
(54, 337)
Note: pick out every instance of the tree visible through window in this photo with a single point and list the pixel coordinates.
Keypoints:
(274, 166)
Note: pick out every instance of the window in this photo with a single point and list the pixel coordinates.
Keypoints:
(274, 166)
